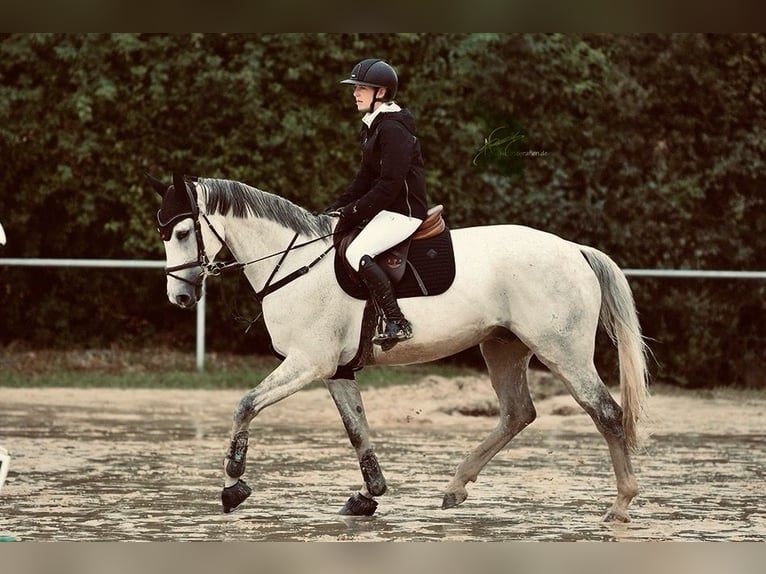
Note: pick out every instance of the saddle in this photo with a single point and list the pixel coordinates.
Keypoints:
(427, 254)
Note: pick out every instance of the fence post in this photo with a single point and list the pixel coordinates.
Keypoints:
(201, 330)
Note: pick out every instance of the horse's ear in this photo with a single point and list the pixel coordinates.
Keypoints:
(179, 182)
(158, 186)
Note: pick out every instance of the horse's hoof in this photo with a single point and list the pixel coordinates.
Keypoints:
(234, 495)
(451, 500)
(612, 516)
(359, 505)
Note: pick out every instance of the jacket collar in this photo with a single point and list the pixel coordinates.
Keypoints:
(385, 107)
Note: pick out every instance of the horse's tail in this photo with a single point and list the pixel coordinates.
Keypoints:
(620, 319)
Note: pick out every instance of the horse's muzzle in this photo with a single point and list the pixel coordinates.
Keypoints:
(185, 296)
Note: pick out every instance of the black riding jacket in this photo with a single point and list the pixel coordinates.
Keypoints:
(391, 175)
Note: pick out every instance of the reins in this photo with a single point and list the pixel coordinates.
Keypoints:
(219, 267)
(269, 288)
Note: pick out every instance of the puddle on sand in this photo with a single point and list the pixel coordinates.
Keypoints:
(91, 474)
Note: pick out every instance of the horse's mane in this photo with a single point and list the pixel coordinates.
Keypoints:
(241, 200)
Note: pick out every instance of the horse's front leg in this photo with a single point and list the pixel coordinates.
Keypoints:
(291, 376)
(345, 393)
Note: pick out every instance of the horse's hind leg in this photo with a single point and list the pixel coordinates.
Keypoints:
(591, 393)
(345, 393)
(507, 360)
(607, 416)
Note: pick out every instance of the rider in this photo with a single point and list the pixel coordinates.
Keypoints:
(388, 195)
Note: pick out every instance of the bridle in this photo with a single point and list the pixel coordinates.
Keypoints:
(216, 268)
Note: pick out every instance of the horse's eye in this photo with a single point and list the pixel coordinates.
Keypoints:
(183, 234)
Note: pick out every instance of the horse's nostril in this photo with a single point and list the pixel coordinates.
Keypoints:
(184, 300)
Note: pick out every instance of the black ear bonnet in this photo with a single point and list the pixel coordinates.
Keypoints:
(179, 202)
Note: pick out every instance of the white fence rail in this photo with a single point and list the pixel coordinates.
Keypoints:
(200, 339)
(695, 274)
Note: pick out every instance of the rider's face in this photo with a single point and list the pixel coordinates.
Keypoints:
(363, 97)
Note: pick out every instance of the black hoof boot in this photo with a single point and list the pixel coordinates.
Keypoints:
(373, 476)
(359, 505)
(234, 495)
(236, 459)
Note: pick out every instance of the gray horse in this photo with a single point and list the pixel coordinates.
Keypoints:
(517, 292)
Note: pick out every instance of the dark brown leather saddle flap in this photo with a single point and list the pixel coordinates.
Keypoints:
(393, 261)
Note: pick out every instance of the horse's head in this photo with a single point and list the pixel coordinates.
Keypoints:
(189, 245)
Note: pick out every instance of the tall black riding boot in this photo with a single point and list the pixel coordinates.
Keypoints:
(397, 328)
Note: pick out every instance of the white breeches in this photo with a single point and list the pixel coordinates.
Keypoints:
(384, 231)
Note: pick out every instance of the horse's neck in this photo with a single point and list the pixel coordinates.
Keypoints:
(251, 238)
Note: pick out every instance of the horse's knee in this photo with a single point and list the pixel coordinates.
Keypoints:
(516, 420)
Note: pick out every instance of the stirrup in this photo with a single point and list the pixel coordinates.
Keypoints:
(398, 330)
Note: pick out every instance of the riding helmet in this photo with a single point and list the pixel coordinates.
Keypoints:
(375, 74)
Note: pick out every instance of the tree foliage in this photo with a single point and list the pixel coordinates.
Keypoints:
(648, 147)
